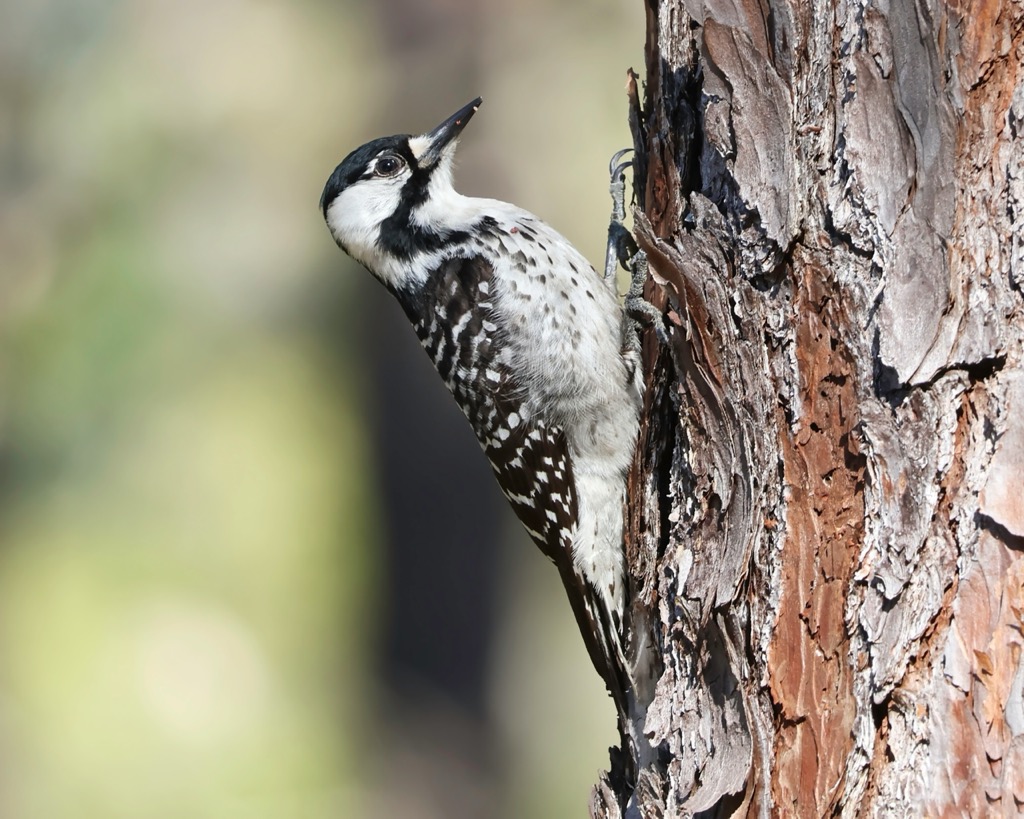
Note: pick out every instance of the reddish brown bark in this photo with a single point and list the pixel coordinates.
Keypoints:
(808, 673)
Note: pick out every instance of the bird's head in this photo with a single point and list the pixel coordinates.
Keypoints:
(392, 199)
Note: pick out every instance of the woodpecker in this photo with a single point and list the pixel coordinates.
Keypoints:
(530, 340)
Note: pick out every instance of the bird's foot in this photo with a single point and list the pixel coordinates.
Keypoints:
(622, 249)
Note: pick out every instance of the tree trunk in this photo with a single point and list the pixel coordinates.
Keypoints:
(827, 510)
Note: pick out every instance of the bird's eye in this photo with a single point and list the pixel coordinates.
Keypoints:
(388, 165)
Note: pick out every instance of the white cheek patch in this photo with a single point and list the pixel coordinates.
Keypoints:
(355, 216)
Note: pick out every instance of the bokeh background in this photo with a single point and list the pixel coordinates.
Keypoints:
(252, 562)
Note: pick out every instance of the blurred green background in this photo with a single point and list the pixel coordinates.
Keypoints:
(235, 579)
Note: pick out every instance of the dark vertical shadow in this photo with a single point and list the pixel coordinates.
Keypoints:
(442, 515)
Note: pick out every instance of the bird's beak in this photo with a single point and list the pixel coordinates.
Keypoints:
(434, 143)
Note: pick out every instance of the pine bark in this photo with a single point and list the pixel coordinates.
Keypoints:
(827, 509)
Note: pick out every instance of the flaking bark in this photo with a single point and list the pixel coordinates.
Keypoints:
(827, 507)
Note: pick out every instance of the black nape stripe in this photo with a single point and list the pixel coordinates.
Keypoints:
(404, 242)
(399, 236)
(403, 239)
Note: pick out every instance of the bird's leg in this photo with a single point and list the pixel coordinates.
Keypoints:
(621, 246)
(622, 249)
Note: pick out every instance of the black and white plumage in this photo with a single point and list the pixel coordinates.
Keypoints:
(530, 340)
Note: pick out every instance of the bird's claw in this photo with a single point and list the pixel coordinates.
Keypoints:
(615, 168)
